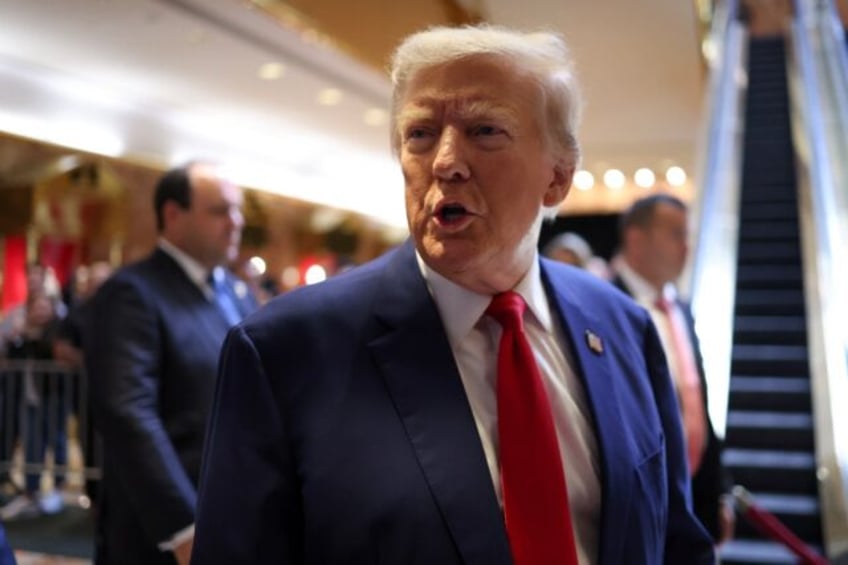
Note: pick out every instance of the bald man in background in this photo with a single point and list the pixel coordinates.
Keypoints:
(152, 357)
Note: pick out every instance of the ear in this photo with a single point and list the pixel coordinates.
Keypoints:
(560, 184)
(171, 214)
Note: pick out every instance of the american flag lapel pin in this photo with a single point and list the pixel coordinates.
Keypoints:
(594, 342)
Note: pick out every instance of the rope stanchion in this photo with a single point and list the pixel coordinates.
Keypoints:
(768, 524)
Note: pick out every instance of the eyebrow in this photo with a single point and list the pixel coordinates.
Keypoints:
(464, 110)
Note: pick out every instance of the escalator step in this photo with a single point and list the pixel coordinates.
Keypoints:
(754, 429)
(770, 393)
(751, 273)
(799, 513)
(774, 359)
(745, 551)
(764, 252)
(775, 298)
(776, 330)
(768, 230)
(773, 211)
(786, 472)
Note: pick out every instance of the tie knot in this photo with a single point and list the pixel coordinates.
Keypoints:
(507, 308)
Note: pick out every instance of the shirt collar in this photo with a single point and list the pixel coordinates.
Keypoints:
(461, 309)
(643, 291)
(193, 269)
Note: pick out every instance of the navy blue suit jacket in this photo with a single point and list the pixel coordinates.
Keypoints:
(151, 353)
(342, 433)
(6, 555)
(712, 479)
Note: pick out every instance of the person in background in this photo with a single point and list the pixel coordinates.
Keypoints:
(569, 248)
(151, 350)
(38, 405)
(68, 350)
(67, 347)
(654, 247)
(459, 399)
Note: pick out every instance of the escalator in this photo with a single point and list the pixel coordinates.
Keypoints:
(770, 442)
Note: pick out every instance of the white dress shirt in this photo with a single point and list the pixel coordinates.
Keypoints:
(474, 340)
(646, 295)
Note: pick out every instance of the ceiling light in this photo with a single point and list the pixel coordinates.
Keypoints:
(375, 117)
(271, 71)
(675, 176)
(645, 178)
(614, 179)
(330, 96)
(583, 180)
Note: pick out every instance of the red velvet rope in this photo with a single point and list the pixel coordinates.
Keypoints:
(768, 524)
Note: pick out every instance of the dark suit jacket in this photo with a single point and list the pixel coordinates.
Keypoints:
(151, 354)
(712, 480)
(6, 555)
(342, 432)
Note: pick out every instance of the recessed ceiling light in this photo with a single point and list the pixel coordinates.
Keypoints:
(614, 179)
(583, 180)
(375, 117)
(271, 71)
(645, 178)
(330, 96)
(675, 176)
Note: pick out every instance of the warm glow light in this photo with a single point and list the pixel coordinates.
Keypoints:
(614, 179)
(330, 96)
(645, 178)
(583, 180)
(258, 263)
(271, 71)
(315, 274)
(290, 277)
(675, 176)
(74, 133)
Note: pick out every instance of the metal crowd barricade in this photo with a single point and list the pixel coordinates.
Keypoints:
(46, 426)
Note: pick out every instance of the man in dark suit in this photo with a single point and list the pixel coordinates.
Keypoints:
(152, 354)
(458, 400)
(654, 235)
(6, 555)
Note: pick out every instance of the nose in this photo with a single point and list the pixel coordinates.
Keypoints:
(450, 163)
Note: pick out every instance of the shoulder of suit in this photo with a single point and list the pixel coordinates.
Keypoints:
(600, 296)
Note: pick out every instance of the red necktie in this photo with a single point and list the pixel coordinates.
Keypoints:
(536, 511)
(688, 386)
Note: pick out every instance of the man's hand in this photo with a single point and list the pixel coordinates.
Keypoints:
(183, 552)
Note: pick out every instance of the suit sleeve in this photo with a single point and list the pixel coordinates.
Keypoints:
(249, 508)
(123, 359)
(686, 540)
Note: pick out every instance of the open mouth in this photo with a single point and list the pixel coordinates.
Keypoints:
(452, 213)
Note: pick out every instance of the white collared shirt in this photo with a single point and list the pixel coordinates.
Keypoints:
(196, 272)
(646, 295)
(474, 341)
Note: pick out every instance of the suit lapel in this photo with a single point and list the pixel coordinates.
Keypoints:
(594, 370)
(417, 365)
(183, 289)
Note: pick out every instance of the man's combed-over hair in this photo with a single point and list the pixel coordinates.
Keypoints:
(543, 54)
